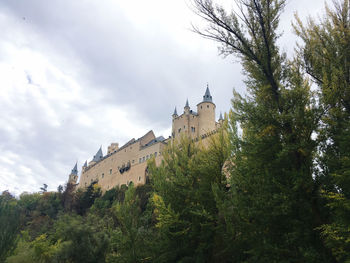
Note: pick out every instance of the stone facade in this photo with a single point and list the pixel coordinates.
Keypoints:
(129, 163)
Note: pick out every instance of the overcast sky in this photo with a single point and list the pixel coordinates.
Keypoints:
(75, 75)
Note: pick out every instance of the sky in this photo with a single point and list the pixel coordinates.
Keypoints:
(77, 75)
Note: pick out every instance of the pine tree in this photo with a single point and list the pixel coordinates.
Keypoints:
(273, 194)
(326, 58)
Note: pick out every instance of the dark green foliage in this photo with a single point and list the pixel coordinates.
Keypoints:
(273, 185)
(273, 193)
(84, 199)
(9, 224)
(326, 58)
(184, 202)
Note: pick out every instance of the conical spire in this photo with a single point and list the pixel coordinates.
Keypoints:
(221, 118)
(85, 164)
(98, 155)
(187, 105)
(207, 97)
(75, 169)
(175, 112)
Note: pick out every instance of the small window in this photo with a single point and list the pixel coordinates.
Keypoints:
(139, 178)
(103, 175)
(143, 158)
(179, 130)
(155, 154)
(208, 106)
(140, 160)
(110, 171)
(184, 127)
(201, 107)
(133, 161)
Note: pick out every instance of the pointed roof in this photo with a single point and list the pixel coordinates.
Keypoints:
(207, 97)
(98, 156)
(85, 164)
(221, 118)
(75, 169)
(175, 112)
(187, 105)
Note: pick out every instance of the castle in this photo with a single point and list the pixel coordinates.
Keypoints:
(128, 163)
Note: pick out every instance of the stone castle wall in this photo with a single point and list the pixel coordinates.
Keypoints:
(129, 163)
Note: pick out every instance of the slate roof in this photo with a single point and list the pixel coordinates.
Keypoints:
(98, 156)
(207, 97)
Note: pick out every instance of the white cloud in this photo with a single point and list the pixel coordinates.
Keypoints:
(78, 74)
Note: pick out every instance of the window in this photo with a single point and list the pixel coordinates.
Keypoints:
(143, 158)
(184, 127)
(155, 154)
(208, 106)
(140, 160)
(201, 107)
(103, 175)
(133, 161)
(179, 130)
(139, 178)
(110, 171)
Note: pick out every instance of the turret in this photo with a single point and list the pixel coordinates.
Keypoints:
(221, 119)
(97, 157)
(206, 113)
(84, 166)
(175, 113)
(187, 108)
(73, 177)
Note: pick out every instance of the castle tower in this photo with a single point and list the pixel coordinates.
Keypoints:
(175, 113)
(187, 108)
(206, 112)
(73, 177)
(221, 119)
(84, 166)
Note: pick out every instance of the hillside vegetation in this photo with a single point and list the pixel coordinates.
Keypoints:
(273, 186)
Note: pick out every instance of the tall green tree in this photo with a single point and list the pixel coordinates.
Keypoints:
(130, 239)
(273, 196)
(9, 224)
(184, 200)
(326, 58)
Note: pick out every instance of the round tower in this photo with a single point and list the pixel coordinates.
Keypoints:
(206, 114)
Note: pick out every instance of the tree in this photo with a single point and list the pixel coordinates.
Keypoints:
(44, 188)
(9, 224)
(326, 58)
(184, 201)
(273, 197)
(129, 240)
